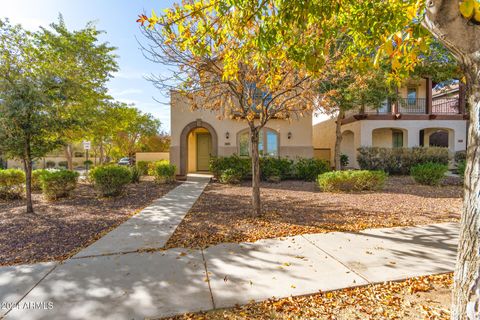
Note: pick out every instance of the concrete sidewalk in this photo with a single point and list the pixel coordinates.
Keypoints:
(162, 283)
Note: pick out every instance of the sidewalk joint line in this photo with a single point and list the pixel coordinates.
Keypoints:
(34, 286)
(334, 258)
(208, 280)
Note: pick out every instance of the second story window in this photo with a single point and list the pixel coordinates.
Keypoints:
(412, 95)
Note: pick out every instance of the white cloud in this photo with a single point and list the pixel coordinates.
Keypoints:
(119, 93)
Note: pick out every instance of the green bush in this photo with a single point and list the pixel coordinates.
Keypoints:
(429, 173)
(461, 166)
(351, 180)
(58, 184)
(36, 183)
(143, 167)
(135, 174)
(88, 163)
(110, 180)
(230, 176)
(275, 168)
(399, 160)
(308, 169)
(12, 182)
(164, 172)
(344, 160)
(241, 166)
(460, 156)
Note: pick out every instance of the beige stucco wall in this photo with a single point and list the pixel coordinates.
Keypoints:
(324, 135)
(300, 144)
(420, 84)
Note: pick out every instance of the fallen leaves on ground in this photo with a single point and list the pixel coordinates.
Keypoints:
(61, 228)
(425, 297)
(223, 212)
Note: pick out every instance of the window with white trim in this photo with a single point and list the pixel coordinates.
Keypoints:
(267, 146)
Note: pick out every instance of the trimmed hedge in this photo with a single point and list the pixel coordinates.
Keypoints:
(275, 169)
(399, 160)
(58, 184)
(164, 172)
(110, 180)
(12, 182)
(429, 173)
(241, 166)
(351, 180)
(308, 169)
(36, 183)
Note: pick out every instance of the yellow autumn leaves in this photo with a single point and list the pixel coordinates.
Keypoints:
(470, 9)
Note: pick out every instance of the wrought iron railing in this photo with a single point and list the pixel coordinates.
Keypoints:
(445, 106)
(412, 106)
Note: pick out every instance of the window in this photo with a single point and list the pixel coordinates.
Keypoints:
(397, 139)
(412, 95)
(267, 145)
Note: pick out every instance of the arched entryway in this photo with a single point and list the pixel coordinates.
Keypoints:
(198, 143)
(438, 137)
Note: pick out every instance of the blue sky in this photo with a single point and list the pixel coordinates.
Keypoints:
(117, 18)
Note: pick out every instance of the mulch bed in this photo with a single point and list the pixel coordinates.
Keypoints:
(427, 297)
(59, 229)
(223, 212)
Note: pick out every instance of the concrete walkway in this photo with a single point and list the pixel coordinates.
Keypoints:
(113, 280)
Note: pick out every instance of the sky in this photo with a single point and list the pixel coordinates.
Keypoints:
(117, 18)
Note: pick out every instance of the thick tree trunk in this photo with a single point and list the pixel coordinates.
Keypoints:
(69, 156)
(27, 165)
(338, 141)
(444, 20)
(256, 204)
(466, 293)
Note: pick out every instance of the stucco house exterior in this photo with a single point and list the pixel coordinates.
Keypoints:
(420, 117)
(198, 135)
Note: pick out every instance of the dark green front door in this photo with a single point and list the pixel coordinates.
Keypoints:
(204, 149)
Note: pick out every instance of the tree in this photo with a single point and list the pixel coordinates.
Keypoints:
(196, 46)
(86, 67)
(131, 127)
(380, 29)
(156, 143)
(30, 121)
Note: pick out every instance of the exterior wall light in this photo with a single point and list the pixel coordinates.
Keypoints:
(289, 135)
(227, 135)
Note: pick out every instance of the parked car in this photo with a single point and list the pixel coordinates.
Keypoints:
(124, 162)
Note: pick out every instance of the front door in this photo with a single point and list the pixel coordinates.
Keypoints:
(204, 147)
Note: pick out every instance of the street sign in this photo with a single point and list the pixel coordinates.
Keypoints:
(86, 145)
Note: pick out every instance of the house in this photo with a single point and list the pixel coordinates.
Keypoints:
(198, 135)
(419, 117)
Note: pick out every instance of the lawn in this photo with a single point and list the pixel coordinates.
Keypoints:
(61, 228)
(426, 297)
(222, 213)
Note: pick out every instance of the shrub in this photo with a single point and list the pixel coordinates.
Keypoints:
(63, 164)
(135, 174)
(58, 184)
(461, 166)
(460, 156)
(241, 166)
(230, 176)
(308, 169)
(275, 168)
(344, 160)
(351, 180)
(399, 160)
(50, 164)
(36, 183)
(88, 163)
(164, 172)
(110, 180)
(143, 167)
(429, 173)
(12, 182)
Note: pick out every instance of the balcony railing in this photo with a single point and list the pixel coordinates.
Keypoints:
(446, 106)
(412, 106)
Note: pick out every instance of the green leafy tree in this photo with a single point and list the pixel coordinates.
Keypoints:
(30, 121)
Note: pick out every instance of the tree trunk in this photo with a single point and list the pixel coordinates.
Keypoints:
(27, 165)
(101, 153)
(466, 292)
(69, 156)
(256, 204)
(444, 20)
(338, 140)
